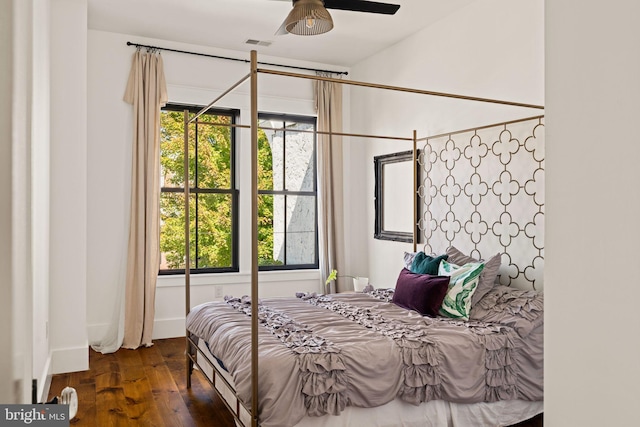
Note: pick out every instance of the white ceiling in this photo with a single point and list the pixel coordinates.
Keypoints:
(229, 23)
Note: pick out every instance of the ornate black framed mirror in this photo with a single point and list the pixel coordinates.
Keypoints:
(394, 196)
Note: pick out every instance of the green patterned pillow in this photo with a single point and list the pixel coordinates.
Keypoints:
(462, 284)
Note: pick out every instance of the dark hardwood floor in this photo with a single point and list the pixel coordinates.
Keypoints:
(147, 387)
(143, 387)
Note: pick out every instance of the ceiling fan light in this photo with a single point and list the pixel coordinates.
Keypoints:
(308, 18)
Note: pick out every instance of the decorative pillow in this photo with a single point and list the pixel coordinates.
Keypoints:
(463, 283)
(426, 264)
(489, 273)
(408, 259)
(420, 292)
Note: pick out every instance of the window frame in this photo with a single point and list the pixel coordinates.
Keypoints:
(284, 118)
(233, 192)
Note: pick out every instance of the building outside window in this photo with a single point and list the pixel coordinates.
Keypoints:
(287, 189)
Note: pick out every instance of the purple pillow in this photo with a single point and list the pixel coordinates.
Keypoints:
(423, 293)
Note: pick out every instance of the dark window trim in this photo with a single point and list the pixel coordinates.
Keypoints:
(299, 119)
(233, 191)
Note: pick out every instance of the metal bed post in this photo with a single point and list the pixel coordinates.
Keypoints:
(187, 266)
(402, 89)
(254, 238)
(192, 346)
(415, 191)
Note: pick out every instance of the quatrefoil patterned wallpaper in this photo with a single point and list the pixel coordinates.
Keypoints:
(482, 191)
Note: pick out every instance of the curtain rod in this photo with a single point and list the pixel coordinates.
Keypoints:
(234, 59)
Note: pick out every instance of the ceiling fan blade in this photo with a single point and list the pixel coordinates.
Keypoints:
(362, 6)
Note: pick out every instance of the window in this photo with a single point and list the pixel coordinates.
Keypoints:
(287, 191)
(213, 204)
(287, 208)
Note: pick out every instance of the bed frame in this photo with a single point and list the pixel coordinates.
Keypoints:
(218, 378)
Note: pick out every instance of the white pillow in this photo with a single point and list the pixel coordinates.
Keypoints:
(408, 259)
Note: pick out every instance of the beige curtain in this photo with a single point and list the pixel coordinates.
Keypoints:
(328, 97)
(146, 91)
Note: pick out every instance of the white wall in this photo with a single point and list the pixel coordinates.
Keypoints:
(22, 283)
(6, 255)
(25, 155)
(40, 175)
(190, 80)
(36, 232)
(491, 49)
(592, 345)
(15, 252)
(68, 187)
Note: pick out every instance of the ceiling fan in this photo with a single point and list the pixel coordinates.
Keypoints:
(311, 17)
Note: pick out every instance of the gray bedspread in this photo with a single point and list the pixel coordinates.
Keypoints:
(318, 354)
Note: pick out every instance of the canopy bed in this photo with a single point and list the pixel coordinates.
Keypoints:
(374, 357)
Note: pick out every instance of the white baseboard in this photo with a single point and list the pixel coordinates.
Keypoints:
(168, 328)
(70, 360)
(44, 381)
(162, 328)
